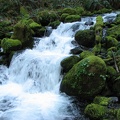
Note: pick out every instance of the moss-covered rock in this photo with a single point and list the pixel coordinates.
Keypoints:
(9, 45)
(54, 24)
(23, 32)
(111, 42)
(63, 16)
(85, 54)
(69, 62)
(95, 111)
(104, 101)
(45, 17)
(70, 11)
(72, 18)
(86, 78)
(79, 10)
(85, 38)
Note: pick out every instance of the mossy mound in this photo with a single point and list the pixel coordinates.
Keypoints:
(45, 17)
(63, 16)
(23, 32)
(86, 79)
(85, 38)
(72, 18)
(104, 101)
(9, 45)
(95, 111)
(70, 11)
(111, 42)
(54, 24)
(68, 63)
(85, 54)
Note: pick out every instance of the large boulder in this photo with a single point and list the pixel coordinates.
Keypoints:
(86, 78)
(95, 111)
(45, 17)
(85, 38)
(9, 45)
(23, 32)
(68, 63)
(111, 42)
(72, 18)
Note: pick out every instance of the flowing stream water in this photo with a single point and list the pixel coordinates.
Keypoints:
(29, 88)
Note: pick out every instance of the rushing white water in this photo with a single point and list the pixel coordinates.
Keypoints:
(30, 86)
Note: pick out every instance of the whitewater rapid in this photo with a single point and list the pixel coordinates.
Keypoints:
(29, 88)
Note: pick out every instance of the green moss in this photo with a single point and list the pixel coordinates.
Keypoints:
(97, 48)
(9, 45)
(72, 18)
(111, 42)
(69, 62)
(104, 10)
(85, 54)
(80, 10)
(45, 17)
(85, 38)
(54, 24)
(118, 114)
(23, 32)
(95, 111)
(24, 13)
(70, 11)
(63, 16)
(104, 101)
(99, 21)
(86, 78)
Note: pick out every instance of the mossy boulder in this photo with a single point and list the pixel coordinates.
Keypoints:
(104, 101)
(63, 16)
(85, 54)
(72, 18)
(86, 79)
(70, 11)
(111, 42)
(69, 62)
(85, 38)
(45, 17)
(9, 45)
(55, 24)
(95, 111)
(23, 32)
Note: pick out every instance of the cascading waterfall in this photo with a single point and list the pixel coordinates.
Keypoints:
(30, 86)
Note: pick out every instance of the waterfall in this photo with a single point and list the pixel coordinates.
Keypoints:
(29, 88)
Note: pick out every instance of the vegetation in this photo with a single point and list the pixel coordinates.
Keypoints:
(86, 78)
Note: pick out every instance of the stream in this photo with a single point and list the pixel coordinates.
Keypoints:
(29, 88)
